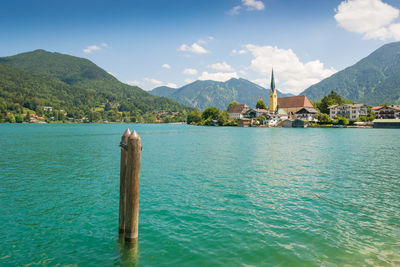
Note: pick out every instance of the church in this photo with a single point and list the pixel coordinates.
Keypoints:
(290, 105)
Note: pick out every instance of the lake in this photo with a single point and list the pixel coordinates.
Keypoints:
(209, 196)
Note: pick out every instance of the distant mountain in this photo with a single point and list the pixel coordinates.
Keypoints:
(76, 85)
(163, 91)
(203, 94)
(373, 80)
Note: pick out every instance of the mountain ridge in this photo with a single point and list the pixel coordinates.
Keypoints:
(372, 80)
(75, 85)
(205, 93)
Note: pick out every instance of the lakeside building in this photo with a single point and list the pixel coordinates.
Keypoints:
(255, 112)
(238, 112)
(387, 123)
(293, 104)
(386, 112)
(349, 111)
(307, 114)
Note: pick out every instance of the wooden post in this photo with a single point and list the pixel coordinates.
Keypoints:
(122, 181)
(132, 186)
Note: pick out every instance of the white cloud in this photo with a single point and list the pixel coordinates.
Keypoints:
(134, 82)
(221, 66)
(294, 74)
(189, 71)
(111, 73)
(153, 81)
(218, 76)
(194, 48)
(235, 10)
(249, 5)
(264, 82)
(395, 30)
(166, 66)
(172, 85)
(253, 4)
(91, 48)
(242, 72)
(372, 18)
(150, 83)
(188, 80)
(240, 52)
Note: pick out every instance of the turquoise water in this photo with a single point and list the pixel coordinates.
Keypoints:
(210, 196)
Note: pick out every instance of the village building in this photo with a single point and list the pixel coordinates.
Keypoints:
(307, 114)
(238, 112)
(386, 123)
(349, 111)
(292, 104)
(256, 112)
(272, 119)
(282, 114)
(386, 112)
(299, 123)
(287, 123)
(244, 122)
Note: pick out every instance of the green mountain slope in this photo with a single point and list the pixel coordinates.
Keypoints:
(203, 94)
(76, 85)
(164, 91)
(373, 80)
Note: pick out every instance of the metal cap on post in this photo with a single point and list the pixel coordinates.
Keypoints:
(132, 187)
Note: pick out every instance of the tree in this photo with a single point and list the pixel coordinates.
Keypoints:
(343, 121)
(18, 119)
(322, 117)
(107, 107)
(10, 118)
(261, 118)
(211, 112)
(223, 117)
(261, 104)
(61, 115)
(28, 117)
(331, 99)
(232, 104)
(194, 117)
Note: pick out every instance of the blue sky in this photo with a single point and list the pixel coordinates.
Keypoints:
(169, 42)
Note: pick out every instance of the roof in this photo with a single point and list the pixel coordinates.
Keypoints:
(260, 110)
(239, 108)
(309, 110)
(347, 105)
(272, 81)
(392, 107)
(294, 102)
(386, 121)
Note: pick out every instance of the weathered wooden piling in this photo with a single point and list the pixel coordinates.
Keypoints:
(122, 183)
(132, 187)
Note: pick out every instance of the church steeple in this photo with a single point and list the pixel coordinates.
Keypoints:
(273, 97)
(272, 82)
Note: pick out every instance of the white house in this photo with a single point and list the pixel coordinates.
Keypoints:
(387, 112)
(350, 111)
(238, 111)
